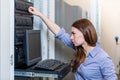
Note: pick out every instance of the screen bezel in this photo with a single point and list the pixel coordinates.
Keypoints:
(27, 47)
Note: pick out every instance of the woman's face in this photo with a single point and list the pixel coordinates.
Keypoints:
(77, 37)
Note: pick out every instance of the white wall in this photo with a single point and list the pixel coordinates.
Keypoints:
(47, 37)
(6, 40)
(110, 27)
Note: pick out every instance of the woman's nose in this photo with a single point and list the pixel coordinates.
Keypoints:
(71, 37)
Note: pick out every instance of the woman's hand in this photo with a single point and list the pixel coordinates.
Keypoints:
(34, 11)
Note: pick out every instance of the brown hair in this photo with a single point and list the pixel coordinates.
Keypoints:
(90, 35)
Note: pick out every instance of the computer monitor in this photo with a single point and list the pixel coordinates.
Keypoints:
(32, 47)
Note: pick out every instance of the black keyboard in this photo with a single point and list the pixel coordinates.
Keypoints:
(48, 64)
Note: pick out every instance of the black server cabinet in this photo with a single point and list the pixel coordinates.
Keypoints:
(23, 22)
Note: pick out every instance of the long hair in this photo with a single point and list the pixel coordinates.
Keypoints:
(90, 35)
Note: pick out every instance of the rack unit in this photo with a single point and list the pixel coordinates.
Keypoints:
(23, 22)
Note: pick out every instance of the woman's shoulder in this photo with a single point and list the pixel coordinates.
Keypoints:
(98, 52)
(101, 52)
(103, 56)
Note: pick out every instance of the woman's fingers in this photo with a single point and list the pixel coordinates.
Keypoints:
(31, 9)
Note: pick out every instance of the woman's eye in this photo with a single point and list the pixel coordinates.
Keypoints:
(73, 33)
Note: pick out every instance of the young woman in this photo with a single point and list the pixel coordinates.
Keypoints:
(90, 62)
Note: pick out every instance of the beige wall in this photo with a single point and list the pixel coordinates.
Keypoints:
(110, 27)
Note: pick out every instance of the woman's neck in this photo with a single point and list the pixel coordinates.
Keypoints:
(87, 48)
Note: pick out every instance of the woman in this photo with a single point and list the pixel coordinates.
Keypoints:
(90, 62)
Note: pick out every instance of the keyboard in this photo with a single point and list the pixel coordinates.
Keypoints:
(48, 64)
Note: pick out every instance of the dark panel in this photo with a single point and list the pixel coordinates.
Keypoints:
(22, 6)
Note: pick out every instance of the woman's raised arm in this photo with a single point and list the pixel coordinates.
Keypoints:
(51, 25)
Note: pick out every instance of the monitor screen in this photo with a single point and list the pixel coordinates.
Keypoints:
(32, 47)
